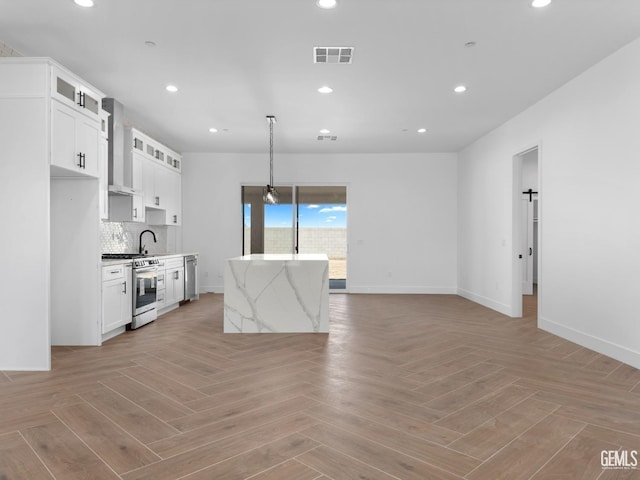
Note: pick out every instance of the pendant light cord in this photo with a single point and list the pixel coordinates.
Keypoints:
(271, 151)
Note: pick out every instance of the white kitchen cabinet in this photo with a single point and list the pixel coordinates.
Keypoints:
(156, 176)
(117, 299)
(157, 184)
(74, 140)
(59, 246)
(103, 165)
(74, 232)
(174, 161)
(137, 172)
(75, 124)
(163, 183)
(130, 208)
(149, 182)
(174, 285)
(161, 285)
(127, 208)
(167, 199)
(74, 93)
(174, 280)
(174, 213)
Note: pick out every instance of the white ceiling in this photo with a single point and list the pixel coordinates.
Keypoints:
(236, 61)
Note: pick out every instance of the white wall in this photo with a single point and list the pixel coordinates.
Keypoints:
(589, 222)
(401, 218)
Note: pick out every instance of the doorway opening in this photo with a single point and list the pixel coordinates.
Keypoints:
(526, 232)
(307, 219)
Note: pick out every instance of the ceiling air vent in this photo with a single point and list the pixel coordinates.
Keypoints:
(332, 54)
(333, 138)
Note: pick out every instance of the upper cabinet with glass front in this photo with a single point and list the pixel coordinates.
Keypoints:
(73, 92)
(72, 108)
(75, 123)
(155, 151)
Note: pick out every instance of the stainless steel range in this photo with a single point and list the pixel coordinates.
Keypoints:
(145, 285)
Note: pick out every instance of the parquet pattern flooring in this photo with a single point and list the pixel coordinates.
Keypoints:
(403, 387)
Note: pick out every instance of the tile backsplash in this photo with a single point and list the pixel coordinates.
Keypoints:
(124, 237)
(7, 51)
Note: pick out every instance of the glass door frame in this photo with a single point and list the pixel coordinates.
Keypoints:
(295, 218)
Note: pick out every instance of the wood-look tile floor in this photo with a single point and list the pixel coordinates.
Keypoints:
(403, 387)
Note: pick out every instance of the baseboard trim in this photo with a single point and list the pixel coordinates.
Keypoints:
(210, 289)
(17, 368)
(610, 349)
(364, 289)
(403, 290)
(485, 302)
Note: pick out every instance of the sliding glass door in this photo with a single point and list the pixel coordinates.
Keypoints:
(307, 219)
(322, 228)
(267, 228)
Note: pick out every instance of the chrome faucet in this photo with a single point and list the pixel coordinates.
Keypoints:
(141, 249)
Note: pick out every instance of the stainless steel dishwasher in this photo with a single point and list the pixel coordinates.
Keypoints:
(191, 277)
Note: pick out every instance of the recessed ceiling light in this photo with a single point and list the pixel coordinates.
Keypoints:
(326, 3)
(213, 130)
(470, 44)
(460, 89)
(325, 89)
(325, 131)
(84, 3)
(149, 43)
(540, 3)
(172, 88)
(422, 130)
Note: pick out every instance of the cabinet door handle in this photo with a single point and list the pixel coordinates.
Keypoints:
(125, 287)
(81, 99)
(114, 271)
(80, 160)
(175, 219)
(176, 275)
(135, 212)
(157, 201)
(84, 160)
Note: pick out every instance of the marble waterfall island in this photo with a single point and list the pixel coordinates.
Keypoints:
(276, 293)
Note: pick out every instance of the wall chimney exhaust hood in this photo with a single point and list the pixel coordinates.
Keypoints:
(120, 175)
(121, 190)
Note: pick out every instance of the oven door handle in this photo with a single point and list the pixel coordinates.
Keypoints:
(145, 270)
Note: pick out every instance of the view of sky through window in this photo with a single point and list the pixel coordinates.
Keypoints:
(310, 215)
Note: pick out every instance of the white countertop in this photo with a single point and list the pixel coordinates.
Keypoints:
(282, 257)
(123, 261)
(116, 261)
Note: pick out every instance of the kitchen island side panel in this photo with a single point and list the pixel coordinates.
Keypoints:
(276, 294)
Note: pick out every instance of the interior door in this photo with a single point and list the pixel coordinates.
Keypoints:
(527, 243)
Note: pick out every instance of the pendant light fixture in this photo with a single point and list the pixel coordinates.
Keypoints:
(270, 194)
